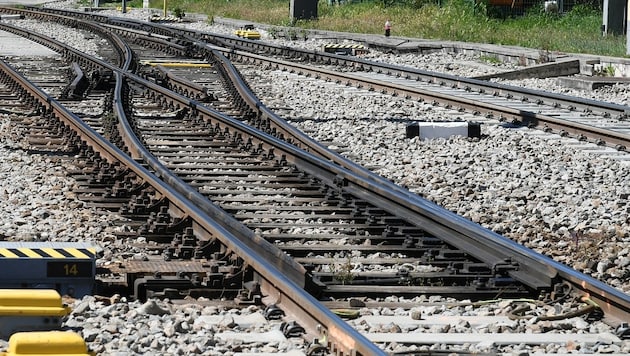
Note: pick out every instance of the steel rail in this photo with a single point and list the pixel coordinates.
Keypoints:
(294, 270)
(147, 39)
(482, 253)
(182, 85)
(496, 251)
(238, 43)
(470, 84)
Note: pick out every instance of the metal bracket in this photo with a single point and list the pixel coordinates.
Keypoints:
(273, 312)
(292, 329)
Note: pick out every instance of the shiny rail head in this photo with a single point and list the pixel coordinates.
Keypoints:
(47, 343)
(69, 268)
(30, 309)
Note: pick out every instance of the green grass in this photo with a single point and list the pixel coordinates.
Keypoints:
(577, 31)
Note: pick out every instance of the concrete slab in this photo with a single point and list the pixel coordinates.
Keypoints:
(13, 45)
(590, 83)
(11, 17)
(545, 70)
(269, 336)
(244, 321)
(429, 130)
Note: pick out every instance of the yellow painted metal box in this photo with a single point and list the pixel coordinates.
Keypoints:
(249, 34)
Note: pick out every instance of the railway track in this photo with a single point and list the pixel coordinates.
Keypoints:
(161, 222)
(277, 192)
(599, 122)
